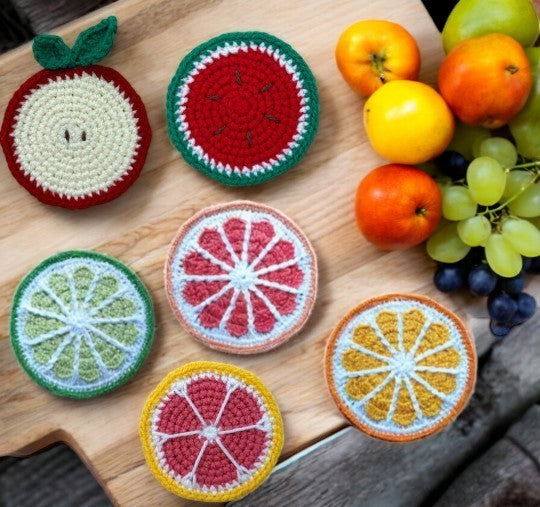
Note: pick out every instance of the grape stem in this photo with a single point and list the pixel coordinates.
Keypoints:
(517, 194)
(528, 164)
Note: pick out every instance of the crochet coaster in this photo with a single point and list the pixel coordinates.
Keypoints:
(241, 277)
(81, 324)
(400, 367)
(243, 108)
(211, 432)
(75, 134)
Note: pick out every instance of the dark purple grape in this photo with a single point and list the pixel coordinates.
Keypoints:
(502, 307)
(526, 306)
(498, 328)
(449, 277)
(474, 258)
(513, 285)
(532, 264)
(452, 164)
(482, 281)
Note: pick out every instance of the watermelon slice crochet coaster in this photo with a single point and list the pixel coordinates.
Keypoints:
(243, 108)
(75, 134)
(81, 324)
(400, 367)
(211, 432)
(241, 277)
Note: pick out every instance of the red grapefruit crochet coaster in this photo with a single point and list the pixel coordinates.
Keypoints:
(211, 432)
(241, 277)
(243, 108)
(75, 134)
(400, 367)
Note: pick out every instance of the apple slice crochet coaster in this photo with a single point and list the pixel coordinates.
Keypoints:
(82, 323)
(400, 367)
(75, 134)
(243, 108)
(241, 277)
(211, 432)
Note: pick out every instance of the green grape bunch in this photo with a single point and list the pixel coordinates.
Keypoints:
(493, 206)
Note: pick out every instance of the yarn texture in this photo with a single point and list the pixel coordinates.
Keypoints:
(400, 367)
(75, 134)
(211, 432)
(92, 45)
(243, 108)
(81, 324)
(241, 277)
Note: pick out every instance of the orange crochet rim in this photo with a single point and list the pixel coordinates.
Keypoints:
(383, 435)
(214, 344)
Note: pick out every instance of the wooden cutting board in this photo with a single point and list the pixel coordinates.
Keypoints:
(318, 194)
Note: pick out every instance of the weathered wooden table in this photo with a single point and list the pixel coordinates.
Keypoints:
(153, 36)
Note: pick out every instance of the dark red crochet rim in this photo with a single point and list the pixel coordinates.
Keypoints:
(46, 196)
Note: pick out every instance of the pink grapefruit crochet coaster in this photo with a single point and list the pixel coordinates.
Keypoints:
(243, 108)
(211, 432)
(241, 277)
(75, 134)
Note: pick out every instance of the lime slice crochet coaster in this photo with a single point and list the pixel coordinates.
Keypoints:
(400, 367)
(81, 324)
(241, 277)
(211, 432)
(243, 108)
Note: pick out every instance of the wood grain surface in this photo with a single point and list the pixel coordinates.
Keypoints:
(349, 468)
(318, 194)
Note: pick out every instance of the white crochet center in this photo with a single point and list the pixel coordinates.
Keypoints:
(76, 136)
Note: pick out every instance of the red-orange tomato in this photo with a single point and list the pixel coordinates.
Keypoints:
(486, 80)
(397, 206)
(373, 52)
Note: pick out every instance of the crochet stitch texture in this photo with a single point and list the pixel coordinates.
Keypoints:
(81, 324)
(211, 432)
(241, 277)
(400, 367)
(75, 134)
(243, 108)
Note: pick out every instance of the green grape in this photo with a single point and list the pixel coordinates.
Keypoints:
(515, 181)
(476, 146)
(501, 257)
(523, 236)
(528, 203)
(445, 246)
(486, 180)
(535, 221)
(525, 127)
(474, 231)
(464, 138)
(458, 203)
(443, 183)
(500, 149)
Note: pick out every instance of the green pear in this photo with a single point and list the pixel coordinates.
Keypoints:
(472, 18)
(525, 127)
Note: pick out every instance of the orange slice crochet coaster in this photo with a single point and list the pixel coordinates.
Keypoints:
(400, 367)
(241, 277)
(211, 432)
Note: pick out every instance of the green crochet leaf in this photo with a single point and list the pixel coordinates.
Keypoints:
(94, 43)
(51, 52)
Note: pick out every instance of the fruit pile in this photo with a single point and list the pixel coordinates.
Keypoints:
(465, 172)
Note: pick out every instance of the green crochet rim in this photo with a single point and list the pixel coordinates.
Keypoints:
(309, 85)
(149, 313)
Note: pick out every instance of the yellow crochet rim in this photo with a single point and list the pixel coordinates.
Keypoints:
(235, 492)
